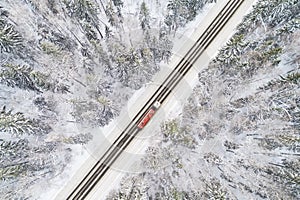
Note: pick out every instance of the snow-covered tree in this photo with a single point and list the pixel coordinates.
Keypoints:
(82, 9)
(231, 52)
(9, 38)
(118, 4)
(43, 104)
(165, 48)
(24, 77)
(85, 11)
(106, 112)
(144, 17)
(287, 174)
(131, 188)
(270, 14)
(181, 12)
(22, 159)
(214, 190)
(17, 76)
(111, 14)
(17, 124)
(11, 153)
(98, 112)
(172, 20)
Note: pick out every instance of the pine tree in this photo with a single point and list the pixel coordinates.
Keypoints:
(214, 190)
(231, 52)
(11, 155)
(17, 124)
(181, 12)
(81, 9)
(270, 14)
(144, 17)
(17, 76)
(292, 78)
(165, 48)
(89, 31)
(20, 158)
(85, 11)
(131, 188)
(110, 13)
(287, 174)
(289, 27)
(106, 111)
(24, 77)
(118, 4)
(12, 172)
(193, 7)
(13, 150)
(172, 19)
(9, 38)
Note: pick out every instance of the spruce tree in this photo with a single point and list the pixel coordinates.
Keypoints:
(17, 76)
(17, 124)
(24, 77)
(9, 38)
(144, 17)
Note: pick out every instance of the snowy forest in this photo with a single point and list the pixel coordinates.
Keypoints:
(66, 64)
(237, 136)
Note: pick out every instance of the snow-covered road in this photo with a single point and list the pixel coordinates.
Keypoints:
(129, 161)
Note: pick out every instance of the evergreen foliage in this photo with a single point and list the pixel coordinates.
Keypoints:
(20, 159)
(50, 48)
(172, 130)
(111, 14)
(81, 9)
(215, 191)
(52, 6)
(132, 67)
(9, 38)
(292, 78)
(96, 113)
(86, 12)
(17, 76)
(181, 12)
(271, 14)
(24, 77)
(118, 4)
(230, 54)
(44, 105)
(17, 124)
(144, 17)
(287, 174)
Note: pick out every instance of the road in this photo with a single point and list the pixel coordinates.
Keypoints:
(169, 85)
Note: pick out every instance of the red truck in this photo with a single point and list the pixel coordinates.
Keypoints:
(148, 115)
